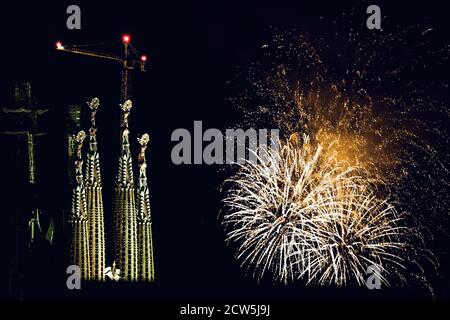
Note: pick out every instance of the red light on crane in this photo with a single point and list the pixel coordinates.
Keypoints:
(143, 58)
(126, 38)
(59, 45)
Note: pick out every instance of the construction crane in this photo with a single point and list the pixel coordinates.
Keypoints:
(128, 63)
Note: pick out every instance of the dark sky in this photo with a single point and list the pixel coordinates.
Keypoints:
(193, 50)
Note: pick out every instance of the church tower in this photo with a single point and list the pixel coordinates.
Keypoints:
(94, 198)
(144, 221)
(125, 216)
(78, 219)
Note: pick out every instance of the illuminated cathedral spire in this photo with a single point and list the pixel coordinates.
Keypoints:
(94, 198)
(125, 245)
(144, 221)
(78, 219)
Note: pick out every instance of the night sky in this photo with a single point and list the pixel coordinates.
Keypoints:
(193, 50)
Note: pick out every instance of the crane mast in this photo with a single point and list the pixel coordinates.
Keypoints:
(125, 83)
(127, 63)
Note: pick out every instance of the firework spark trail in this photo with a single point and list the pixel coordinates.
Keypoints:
(298, 214)
(357, 231)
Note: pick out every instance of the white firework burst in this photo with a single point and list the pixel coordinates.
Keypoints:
(298, 214)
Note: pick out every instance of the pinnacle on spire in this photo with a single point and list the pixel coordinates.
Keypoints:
(79, 199)
(79, 138)
(143, 197)
(93, 105)
(125, 174)
(93, 165)
(143, 141)
(126, 108)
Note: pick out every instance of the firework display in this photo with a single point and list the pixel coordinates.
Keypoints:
(345, 196)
